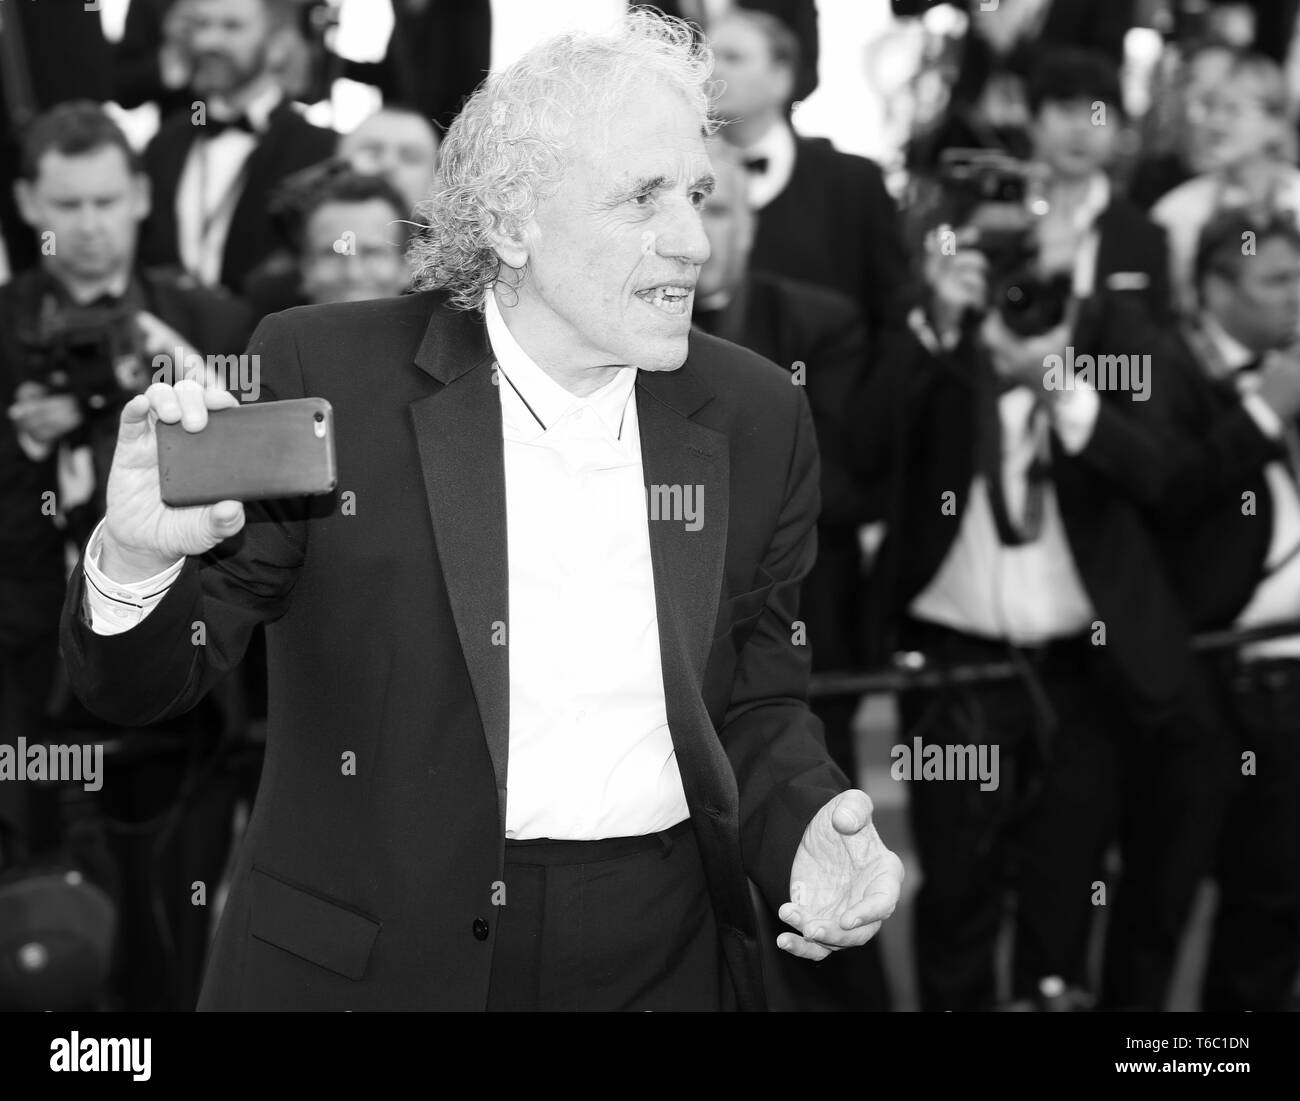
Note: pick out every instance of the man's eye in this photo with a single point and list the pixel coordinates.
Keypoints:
(698, 199)
(642, 198)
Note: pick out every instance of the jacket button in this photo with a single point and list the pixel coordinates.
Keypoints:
(480, 929)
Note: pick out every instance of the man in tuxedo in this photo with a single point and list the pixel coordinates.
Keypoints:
(824, 216)
(1107, 243)
(1232, 528)
(535, 681)
(1016, 539)
(83, 192)
(213, 168)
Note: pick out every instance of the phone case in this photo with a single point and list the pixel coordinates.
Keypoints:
(250, 453)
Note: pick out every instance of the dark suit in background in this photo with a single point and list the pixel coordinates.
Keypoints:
(834, 224)
(288, 144)
(65, 56)
(1124, 743)
(1217, 534)
(1133, 258)
(438, 54)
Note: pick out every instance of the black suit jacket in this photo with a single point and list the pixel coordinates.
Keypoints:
(363, 891)
(1132, 245)
(790, 323)
(439, 52)
(834, 224)
(914, 429)
(1215, 546)
(288, 144)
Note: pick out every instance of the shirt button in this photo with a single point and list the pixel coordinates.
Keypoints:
(480, 929)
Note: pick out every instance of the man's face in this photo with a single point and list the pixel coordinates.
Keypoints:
(614, 253)
(400, 147)
(1069, 142)
(1233, 125)
(729, 224)
(1261, 307)
(753, 81)
(229, 43)
(92, 204)
(352, 252)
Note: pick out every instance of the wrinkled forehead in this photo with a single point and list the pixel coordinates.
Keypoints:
(649, 133)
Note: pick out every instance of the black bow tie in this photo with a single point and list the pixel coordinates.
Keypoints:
(756, 165)
(213, 127)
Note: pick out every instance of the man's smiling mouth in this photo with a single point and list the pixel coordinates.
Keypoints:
(669, 298)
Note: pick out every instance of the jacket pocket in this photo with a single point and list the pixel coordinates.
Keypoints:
(309, 926)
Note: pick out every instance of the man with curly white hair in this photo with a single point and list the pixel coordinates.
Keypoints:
(538, 696)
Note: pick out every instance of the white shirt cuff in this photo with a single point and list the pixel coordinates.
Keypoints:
(1262, 414)
(1074, 415)
(114, 606)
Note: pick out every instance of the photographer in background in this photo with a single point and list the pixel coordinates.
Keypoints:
(78, 337)
(1232, 534)
(1089, 229)
(1015, 537)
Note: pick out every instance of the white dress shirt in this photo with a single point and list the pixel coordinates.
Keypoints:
(1027, 594)
(591, 755)
(211, 183)
(1277, 596)
(590, 751)
(778, 146)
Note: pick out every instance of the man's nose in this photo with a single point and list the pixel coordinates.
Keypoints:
(682, 236)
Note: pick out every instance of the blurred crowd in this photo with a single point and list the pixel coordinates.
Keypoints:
(1055, 375)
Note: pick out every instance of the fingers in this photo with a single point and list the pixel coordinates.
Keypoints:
(225, 519)
(880, 901)
(804, 949)
(852, 812)
(186, 402)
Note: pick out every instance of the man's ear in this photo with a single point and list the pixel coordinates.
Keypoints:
(141, 196)
(783, 77)
(26, 200)
(512, 249)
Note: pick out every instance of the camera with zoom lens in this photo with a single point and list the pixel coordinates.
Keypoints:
(92, 352)
(996, 200)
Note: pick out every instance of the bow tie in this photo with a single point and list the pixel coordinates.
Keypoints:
(756, 165)
(214, 127)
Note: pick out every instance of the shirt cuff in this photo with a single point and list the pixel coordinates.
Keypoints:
(1074, 415)
(1262, 414)
(114, 606)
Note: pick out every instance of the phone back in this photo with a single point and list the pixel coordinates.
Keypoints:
(250, 453)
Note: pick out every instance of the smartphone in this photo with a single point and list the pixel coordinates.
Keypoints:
(250, 453)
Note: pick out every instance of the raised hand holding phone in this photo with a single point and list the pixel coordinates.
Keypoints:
(142, 536)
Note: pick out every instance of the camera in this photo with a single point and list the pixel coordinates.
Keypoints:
(997, 198)
(92, 352)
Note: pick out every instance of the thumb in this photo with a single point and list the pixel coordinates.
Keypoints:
(225, 518)
(852, 813)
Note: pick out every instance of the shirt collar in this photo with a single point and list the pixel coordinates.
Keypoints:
(530, 395)
(1231, 352)
(776, 144)
(258, 109)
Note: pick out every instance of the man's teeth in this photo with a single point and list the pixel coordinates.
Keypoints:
(667, 297)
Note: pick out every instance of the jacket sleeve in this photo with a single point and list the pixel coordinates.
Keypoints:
(165, 664)
(775, 744)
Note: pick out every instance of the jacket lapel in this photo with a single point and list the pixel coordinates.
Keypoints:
(458, 432)
(688, 565)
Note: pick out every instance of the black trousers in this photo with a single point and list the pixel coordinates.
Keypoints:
(1255, 951)
(623, 924)
(1075, 773)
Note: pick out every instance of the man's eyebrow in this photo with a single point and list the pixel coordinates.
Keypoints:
(707, 183)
